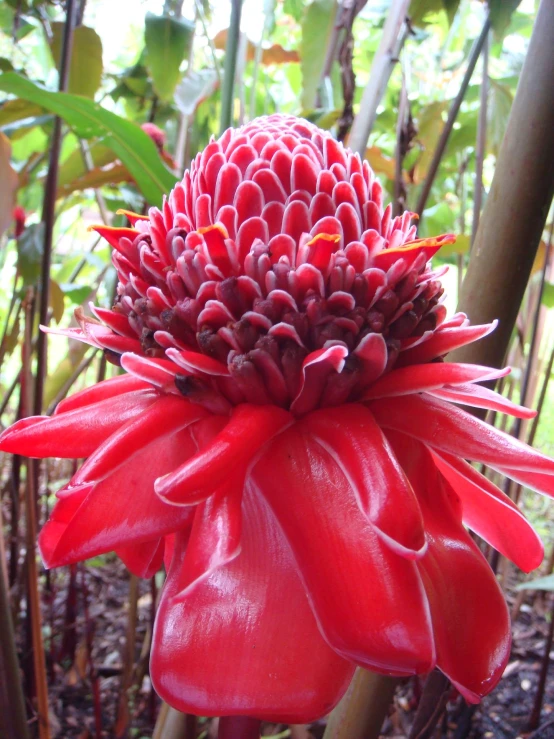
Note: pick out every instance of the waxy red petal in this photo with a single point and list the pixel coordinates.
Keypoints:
(482, 397)
(232, 647)
(120, 510)
(369, 602)
(350, 435)
(418, 378)
(166, 416)
(442, 341)
(471, 623)
(215, 538)
(144, 559)
(75, 433)
(249, 428)
(450, 429)
(101, 391)
(316, 368)
(491, 513)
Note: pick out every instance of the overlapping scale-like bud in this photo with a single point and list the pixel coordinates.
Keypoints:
(272, 274)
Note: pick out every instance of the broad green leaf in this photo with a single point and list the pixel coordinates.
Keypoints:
(29, 253)
(294, 8)
(168, 41)
(451, 7)
(501, 14)
(421, 11)
(74, 167)
(440, 218)
(88, 119)
(541, 583)
(18, 110)
(77, 294)
(317, 25)
(85, 71)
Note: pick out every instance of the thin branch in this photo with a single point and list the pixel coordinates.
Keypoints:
(363, 708)
(481, 146)
(381, 69)
(228, 86)
(49, 206)
(452, 115)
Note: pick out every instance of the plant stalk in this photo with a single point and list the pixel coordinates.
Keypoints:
(363, 708)
(231, 49)
(49, 206)
(452, 115)
(33, 594)
(238, 727)
(481, 146)
(514, 215)
(381, 70)
(13, 719)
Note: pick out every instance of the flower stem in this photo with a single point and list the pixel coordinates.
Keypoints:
(363, 708)
(239, 727)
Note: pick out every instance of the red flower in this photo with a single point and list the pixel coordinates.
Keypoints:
(285, 436)
(19, 217)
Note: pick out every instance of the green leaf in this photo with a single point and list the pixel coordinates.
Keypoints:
(294, 8)
(56, 301)
(317, 25)
(85, 71)
(421, 11)
(18, 110)
(451, 7)
(77, 294)
(541, 583)
(501, 13)
(88, 119)
(29, 253)
(499, 107)
(168, 42)
(548, 294)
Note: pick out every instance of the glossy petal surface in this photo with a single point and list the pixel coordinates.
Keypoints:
(360, 590)
(252, 618)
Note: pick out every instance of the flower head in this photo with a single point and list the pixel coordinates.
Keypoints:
(285, 436)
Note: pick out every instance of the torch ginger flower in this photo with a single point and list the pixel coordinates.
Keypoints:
(288, 437)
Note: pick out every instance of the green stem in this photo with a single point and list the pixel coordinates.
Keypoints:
(231, 49)
(363, 708)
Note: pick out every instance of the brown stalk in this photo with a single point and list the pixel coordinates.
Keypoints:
(452, 115)
(238, 727)
(33, 595)
(513, 218)
(535, 717)
(363, 708)
(13, 718)
(123, 716)
(381, 69)
(49, 206)
(481, 146)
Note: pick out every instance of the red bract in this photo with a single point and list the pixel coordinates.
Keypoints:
(286, 436)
